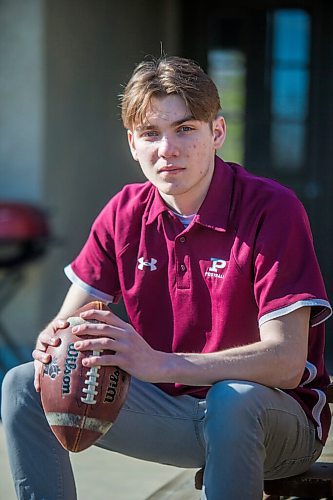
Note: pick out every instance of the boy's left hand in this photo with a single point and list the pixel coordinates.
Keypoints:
(131, 352)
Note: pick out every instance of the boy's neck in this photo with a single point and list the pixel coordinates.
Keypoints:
(180, 208)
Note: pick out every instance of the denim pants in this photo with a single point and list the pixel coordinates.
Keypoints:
(242, 433)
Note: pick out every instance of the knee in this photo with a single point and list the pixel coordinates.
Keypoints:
(232, 401)
(15, 378)
(17, 386)
(9, 384)
(230, 394)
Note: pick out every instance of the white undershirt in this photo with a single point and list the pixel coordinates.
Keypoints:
(185, 219)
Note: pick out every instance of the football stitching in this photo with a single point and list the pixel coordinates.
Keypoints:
(92, 383)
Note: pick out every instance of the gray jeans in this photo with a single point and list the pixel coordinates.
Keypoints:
(241, 433)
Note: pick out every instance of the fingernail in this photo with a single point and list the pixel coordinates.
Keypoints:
(77, 345)
(75, 329)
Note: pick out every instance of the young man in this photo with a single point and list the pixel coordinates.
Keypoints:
(225, 302)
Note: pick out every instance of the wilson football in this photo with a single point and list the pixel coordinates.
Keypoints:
(80, 403)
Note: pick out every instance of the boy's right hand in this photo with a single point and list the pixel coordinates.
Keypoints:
(45, 338)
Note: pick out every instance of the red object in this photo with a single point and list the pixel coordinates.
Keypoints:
(80, 403)
(21, 222)
(24, 233)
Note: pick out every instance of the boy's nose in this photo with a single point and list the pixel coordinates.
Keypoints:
(167, 148)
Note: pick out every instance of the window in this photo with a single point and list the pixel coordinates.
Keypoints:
(290, 54)
(227, 69)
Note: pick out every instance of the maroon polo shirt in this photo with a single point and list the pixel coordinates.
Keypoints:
(247, 257)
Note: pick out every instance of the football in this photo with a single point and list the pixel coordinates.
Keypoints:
(80, 403)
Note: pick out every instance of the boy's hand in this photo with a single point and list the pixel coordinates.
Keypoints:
(131, 352)
(45, 338)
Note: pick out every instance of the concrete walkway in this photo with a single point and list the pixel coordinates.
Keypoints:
(102, 475)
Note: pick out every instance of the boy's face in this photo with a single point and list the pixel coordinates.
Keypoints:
(176, 152)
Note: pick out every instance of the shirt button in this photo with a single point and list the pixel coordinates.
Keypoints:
(182, 267)
(182, 239)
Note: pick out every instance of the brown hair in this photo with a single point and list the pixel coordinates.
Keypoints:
(164, 76)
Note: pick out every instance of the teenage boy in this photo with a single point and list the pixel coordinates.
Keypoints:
(225, 301)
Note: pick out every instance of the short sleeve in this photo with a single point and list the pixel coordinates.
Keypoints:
(95, 268)
(286, 270)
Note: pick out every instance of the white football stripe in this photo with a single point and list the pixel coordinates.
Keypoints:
(72, 420)
(75, 320)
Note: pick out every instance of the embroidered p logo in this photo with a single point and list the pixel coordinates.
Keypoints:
(217, 264)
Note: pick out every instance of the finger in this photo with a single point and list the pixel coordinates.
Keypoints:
(37, 376)
(41, 356)
(58, 324)
(46, 339)
(100, 344)
(104, 360)
(104, 316)
(98, 330)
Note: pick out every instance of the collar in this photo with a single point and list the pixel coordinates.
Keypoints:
(157, 206)
(214, 211)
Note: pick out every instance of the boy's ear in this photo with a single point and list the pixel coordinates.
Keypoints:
(131, 143)
(219, 131)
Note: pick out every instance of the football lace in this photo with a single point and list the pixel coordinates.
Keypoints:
(91, 383)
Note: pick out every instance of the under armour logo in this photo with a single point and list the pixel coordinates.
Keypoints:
(143, 263)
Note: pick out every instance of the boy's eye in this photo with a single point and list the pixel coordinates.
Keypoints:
(185, 128)
(149, 133)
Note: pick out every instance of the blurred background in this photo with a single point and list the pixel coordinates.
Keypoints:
(63, 150)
